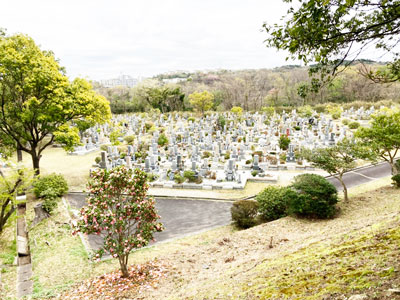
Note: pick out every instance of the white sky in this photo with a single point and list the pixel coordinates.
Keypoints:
(101, 39)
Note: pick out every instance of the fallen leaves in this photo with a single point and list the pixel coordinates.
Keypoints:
(112, 286)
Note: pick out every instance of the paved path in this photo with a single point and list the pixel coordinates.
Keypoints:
(180, 217)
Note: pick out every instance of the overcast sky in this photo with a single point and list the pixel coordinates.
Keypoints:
(100, 39)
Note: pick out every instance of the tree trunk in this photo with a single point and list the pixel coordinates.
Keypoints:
(35, 161)
(394, 169)
(123, 264)
(40, 214)
(346, 198)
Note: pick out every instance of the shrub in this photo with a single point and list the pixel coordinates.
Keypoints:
(345, 122)
(354, 125)
(148, 125)
(248, 162)
(49, 200)
(284, 142)
(54, 182)
(207, 154)
(152, 177)
(162, 140)
(129, 139)
(97, 159)
(313, 196)
(178, 178)
(396, 180)
(272, 203)
(254, 173)
(227, 155)
(244, 213)
(189, 175)
(192, 119)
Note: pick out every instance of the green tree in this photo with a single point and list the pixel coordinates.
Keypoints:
(164, 98)
(119, 208)
(333, 33)
(201, 101)
(337, 160)
(37, 100)
(383, 137)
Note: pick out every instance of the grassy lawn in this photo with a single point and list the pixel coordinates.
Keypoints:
(75, 168)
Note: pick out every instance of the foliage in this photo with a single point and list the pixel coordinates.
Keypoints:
(53, 184)
(328, 33)
(396, 180)
(382, 137)
(50, 198)
(189, 175)
(272, 203)
(244, 213)
(162, 140)
(269, 111)
(37, 98)
(119, 208)
(115, 135)
(152, 177)
(254, 173)
(345, 121)
(237, 110)
(129, 139)
(334, 110)
(312, 195)
(284, 142)
(221, 122)
(68, 137)
(17, 180)
(201, 101)
(337, 159)
(178, 178)
(354, 125)
(305, 111)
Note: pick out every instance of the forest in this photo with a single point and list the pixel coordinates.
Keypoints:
(287, 86)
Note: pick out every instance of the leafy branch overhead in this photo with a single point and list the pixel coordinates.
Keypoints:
(334, 33)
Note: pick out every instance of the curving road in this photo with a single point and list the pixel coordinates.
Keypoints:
(182, 216)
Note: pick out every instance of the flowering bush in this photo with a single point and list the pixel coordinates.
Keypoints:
(119, 209)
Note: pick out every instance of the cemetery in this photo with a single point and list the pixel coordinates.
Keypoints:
(218, 151)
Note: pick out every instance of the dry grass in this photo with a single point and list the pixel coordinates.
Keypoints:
(8, 253)
(75, 168)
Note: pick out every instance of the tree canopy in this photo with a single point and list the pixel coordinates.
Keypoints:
(37, 99)
(334, 33)
(201, 101)
(383, 137)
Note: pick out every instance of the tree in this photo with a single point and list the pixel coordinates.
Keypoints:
(383, 137)
(201, 101)
(333, 33)
(37, 100)
(119, 208)
(16, 181)
(165, 98)
(336, 160)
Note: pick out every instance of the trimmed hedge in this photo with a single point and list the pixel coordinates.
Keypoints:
(273, 203)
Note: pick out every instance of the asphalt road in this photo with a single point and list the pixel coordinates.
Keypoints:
(182, 216)
(363, 175)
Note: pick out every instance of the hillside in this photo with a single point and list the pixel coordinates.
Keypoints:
(354, 253)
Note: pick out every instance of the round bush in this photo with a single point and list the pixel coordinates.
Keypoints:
(354, 125)
(244, 213)
(396, 180)
(272, 203)
(54, 182)
(312, 196)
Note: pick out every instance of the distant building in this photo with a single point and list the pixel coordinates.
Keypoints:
(123, 80)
